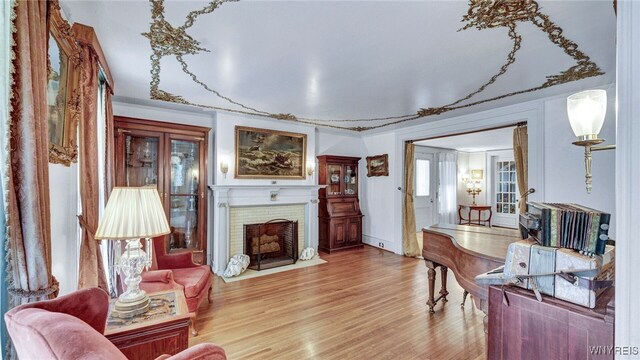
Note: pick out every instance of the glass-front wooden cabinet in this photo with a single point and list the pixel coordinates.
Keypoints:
(173, 158)
(339, 215)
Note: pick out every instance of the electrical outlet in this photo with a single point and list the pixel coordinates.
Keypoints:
(381, 245)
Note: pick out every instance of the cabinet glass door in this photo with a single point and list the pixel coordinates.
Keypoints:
(183, 195)
(350, 180)
(141, 160)
(334, 178)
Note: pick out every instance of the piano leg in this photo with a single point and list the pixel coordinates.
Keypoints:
(464, 297)
(431, 272)
(443, 280)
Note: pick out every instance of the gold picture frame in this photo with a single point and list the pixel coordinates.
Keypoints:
(269, 154)
(63, 90)
(378, 165)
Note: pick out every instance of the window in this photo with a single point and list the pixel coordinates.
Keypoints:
(506, 187)
(423, 174)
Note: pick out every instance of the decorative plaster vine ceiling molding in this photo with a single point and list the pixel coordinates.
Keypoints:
(171, 40)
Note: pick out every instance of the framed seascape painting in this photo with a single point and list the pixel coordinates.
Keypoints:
(269, 154)
(378, 165)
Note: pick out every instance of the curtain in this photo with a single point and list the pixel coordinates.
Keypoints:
(409, 238)
(92, 272)
(25, 162)
(521, 156)
(6, 24)
(110, 182)
(447, 193)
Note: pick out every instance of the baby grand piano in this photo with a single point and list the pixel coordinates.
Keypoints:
(468, 251)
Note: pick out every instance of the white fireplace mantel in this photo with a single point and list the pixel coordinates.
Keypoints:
(225, 196)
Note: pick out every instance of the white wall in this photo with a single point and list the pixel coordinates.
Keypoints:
(225, 146)
(63, 185)
(627, 174)
(564, 162)
(463, 170)
(477, 161)
(328, 143)
(377, 194)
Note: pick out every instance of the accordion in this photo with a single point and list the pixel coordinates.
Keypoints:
(568, 226)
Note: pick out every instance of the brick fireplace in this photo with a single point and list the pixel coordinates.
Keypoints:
(238, 205)
(271, 244)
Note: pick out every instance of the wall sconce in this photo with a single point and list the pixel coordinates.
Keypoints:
(224, 168)
(586, 111)
(311, 168)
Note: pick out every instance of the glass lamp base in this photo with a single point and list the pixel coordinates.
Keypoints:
(129, 309)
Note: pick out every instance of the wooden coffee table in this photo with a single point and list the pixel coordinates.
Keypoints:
(164, 329)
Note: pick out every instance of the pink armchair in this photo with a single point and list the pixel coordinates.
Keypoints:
(178, 271)
(72, 326)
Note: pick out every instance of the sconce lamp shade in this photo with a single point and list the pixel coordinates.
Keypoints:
(586, 111)
(133, 213)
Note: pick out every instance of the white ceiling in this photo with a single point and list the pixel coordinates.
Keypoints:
(499, 139)
(352, 59)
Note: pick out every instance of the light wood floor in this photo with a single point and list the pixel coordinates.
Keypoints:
(362, 304)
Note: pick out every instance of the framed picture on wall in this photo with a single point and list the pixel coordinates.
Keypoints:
(269, 154)
(378, 165)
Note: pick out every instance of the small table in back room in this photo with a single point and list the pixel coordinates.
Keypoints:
(477, 208)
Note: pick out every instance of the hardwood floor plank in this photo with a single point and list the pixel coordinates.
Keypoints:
(363, 304)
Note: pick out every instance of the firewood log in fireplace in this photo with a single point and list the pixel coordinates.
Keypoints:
(264, 239)
(266, 248)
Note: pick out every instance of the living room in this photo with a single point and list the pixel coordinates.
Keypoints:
(282, 142)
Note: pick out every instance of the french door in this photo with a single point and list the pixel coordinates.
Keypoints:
(504, 196)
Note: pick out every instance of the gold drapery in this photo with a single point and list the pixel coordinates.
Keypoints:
(409, 239)
(26, 161)
(521, 155)
(92, 272)
(110, 182)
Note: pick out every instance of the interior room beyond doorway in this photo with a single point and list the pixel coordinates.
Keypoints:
(467, 178)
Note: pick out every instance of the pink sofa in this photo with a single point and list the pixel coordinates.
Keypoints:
(178, 271)
(72, 326)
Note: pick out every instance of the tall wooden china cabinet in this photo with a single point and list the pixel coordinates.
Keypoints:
(339, 215)
(172, 157)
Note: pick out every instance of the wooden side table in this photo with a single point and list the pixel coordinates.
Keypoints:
(479, 209)
(164, 329)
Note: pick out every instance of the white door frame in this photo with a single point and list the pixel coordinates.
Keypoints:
(507, 155)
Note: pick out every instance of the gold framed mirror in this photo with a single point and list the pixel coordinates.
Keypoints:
(63, 89)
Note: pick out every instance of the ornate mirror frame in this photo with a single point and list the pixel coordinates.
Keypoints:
(65, 149)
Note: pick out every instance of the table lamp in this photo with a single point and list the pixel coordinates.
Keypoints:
(133, 213)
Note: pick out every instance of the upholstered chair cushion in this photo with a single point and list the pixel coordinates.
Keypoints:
(193, 279)
(42, 334)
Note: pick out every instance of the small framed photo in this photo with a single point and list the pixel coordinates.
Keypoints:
(378, 165)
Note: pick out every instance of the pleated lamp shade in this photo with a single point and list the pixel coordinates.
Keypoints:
(133, 213)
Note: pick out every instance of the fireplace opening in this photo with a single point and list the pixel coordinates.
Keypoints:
(271, 244)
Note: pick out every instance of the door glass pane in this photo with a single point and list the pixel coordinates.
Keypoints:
(333, 179)
(185, 165)
(506, 187)
(184, 222)
(423, 168)
(141, 166)
(351, 180)
(185, 174)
